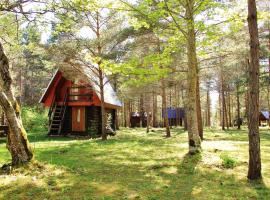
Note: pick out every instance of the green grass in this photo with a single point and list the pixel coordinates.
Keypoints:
(136, 165)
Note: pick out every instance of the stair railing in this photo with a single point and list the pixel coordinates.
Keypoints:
(63, 110)
(51, 111)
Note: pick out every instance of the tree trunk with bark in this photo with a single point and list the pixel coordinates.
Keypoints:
(148, 114)
(268, 88)
(229, 109)
(238, 106)
(184, 100)
(192, 78)
(199, 110)
(208, 109)
(127, 113)
(170, 106)
(223, 100)
(164, 108)
(164, 99)
(102, 105)
(254, 169)
(221, 121)
(17, 143)
(154, 110)
(101, 79)
(142, 109)
(116, 120)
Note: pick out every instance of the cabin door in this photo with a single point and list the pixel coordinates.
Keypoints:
(78, 119)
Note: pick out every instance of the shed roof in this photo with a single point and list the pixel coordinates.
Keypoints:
(265, 114)
(173, 113)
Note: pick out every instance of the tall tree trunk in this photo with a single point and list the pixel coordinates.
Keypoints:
(221, 121)
(126, 113)
(170, 106)
(268, 87)
(17, 143)
(116, 120)
(148, 114)
(268, 101)
(246, 92)
(199, 110)
(254, 169)
(177, 99)
(229, 109)
(124, 118)
(142, 109)
(115, 87)
(224, 107)
(164, 108)
(101, 80)
(154, 110)
(164, 99)
(192, 77)
(238, 106)
(185, 110)
(102, 105)
(208, 105)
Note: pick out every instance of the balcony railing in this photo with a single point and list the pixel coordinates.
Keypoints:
(80, 93)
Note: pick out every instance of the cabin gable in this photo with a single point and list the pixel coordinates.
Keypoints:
(79, 93)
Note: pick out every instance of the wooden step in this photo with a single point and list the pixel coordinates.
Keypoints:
(53, 124)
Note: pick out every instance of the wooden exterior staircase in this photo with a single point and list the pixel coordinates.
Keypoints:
(57, 116)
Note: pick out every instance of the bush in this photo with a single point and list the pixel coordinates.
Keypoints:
(34, 119)
(228, 162)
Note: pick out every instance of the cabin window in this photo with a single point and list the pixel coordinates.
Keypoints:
(79, 116)
(76, 90)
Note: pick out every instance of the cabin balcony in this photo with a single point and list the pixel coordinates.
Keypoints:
(76, 96)
(80, 94)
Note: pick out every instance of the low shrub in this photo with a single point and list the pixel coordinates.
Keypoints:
(34, 119)
(228, 162)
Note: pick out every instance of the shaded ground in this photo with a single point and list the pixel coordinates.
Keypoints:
(136, 165)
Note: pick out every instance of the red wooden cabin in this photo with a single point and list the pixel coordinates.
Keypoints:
(74, 105)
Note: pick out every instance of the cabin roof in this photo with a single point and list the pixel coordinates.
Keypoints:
(110, 96)
(48, 87)
(265, 114)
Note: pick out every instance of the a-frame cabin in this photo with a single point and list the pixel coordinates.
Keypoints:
(74, 104)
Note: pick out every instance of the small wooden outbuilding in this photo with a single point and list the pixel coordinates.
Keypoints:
(264, 118)
(138, 119)
(73, 99)
(176, 116)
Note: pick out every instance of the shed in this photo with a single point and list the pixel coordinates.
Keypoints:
(138, 119)
(264, 118)
(176, 116)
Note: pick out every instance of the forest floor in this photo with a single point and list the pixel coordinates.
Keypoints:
(136, 165)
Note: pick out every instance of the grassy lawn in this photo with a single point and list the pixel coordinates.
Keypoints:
(136, 165)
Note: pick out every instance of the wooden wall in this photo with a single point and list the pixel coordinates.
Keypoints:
(92, 121)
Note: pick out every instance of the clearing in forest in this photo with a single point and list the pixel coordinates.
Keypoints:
(136, 165)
